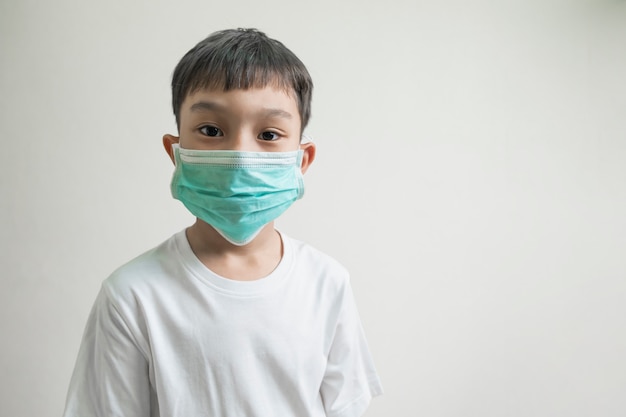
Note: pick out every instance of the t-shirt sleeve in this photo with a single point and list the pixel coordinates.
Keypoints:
(111, 373)
(350, 380)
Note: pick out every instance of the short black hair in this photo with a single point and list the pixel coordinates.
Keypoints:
(241, 59)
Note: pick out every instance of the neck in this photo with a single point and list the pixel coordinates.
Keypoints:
(255, 260)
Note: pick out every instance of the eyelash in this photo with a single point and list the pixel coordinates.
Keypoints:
(276, 136)
(204, 128)
(205, 131)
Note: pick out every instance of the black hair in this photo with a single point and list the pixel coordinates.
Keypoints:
(241, 59)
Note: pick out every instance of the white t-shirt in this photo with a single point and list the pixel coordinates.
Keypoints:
(168, 337)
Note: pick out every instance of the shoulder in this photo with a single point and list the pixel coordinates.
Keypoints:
(319, 266)
(141, 275)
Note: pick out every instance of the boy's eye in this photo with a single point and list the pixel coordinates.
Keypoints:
(211, 131)
(268, 136)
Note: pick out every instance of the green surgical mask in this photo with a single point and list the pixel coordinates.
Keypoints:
(237, 192)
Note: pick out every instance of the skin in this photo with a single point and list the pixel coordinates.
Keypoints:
(258, 120)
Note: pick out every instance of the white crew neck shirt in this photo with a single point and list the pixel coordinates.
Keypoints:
(169, 337)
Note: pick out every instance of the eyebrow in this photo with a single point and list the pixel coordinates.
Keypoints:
(276, 113)
(212, 106)
(205, 105)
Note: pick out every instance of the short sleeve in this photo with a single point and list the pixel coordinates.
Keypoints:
(111, 373)
(350, 380)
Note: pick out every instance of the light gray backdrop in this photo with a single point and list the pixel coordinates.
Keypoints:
(471, 174)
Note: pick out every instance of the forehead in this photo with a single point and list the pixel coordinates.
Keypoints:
(246, 101)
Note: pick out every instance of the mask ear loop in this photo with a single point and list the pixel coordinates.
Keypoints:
(175, 150)
(306, 139)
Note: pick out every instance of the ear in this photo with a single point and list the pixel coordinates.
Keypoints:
(308, 156)
(168, 141)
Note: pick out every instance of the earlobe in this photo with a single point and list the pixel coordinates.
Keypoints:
(168, 141)
(308, 156)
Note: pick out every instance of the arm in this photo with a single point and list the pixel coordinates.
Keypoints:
(111, 373)
(350, 380)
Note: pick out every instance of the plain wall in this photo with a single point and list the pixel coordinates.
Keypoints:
(471, 174)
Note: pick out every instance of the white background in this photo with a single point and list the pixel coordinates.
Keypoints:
(471, 174)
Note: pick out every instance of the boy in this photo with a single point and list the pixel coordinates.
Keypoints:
(229, 317)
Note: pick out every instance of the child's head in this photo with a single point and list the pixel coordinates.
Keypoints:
(242, 101)
(241, 59)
